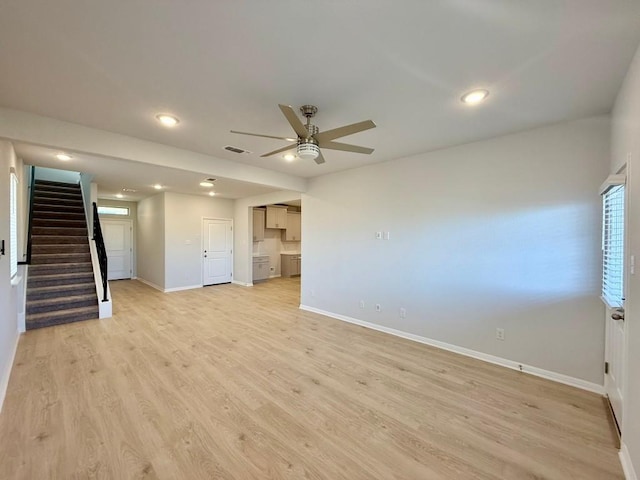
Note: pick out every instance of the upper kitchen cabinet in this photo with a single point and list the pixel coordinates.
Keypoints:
(258, 224)
(293, 230)
(276, 217)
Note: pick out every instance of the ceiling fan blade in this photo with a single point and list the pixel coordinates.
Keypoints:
(319, 159)
(294, 121)
(344, 131)
(288, 139)
(345, 147)
(283, 149)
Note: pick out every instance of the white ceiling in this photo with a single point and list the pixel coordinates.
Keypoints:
(112, 175)
(226, 65)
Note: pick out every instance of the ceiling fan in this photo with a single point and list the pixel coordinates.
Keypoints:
(311, 139)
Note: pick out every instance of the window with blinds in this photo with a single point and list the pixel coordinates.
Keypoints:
(13, 235)
(613, 246)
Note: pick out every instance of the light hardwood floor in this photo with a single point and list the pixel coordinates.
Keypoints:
(229, 382)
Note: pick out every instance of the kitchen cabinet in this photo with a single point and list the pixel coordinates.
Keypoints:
(276, 217)
(290, 264)
(260, 268)
(258, 224)
(293, 231)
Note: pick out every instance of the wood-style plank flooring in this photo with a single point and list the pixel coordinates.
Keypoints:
(229, 382)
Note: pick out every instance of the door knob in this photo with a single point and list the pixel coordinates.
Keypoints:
(618, 314)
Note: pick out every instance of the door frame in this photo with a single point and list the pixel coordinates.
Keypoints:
(131, 242)
(608, 310)
(202, 237)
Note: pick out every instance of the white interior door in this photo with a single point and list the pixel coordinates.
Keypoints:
(117, 241)
(217, 251)
(615, 360)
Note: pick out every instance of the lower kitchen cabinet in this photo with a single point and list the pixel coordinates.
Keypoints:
(290, 264)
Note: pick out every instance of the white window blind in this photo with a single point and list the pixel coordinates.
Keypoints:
(13, 211)
(613, 246)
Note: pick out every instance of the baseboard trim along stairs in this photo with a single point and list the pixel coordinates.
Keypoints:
(485, 357)
(60, 285)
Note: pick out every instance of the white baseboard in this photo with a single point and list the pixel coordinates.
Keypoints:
(244, 284)
(485, 357)
(627, 466)
(179, 289)
(4, 379)
(152, 285)
(275, 276)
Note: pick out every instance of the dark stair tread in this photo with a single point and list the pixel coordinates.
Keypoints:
(39, 320)
(63, 300)
(60, 258)
(50, 279)
(59, 239)
(67, 287)
(46, 207)
(59, 268)
(74, 231)
(55, 183)
(59, 222)
(40, 214)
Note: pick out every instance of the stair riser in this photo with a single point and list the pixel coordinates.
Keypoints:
(35, 282)
(58, 223)
(75, 202)
(60, 259)
(64, 248)
(53, 191)
(52, 183)
(57, 239)
(30, 324)
(61, 292)
(45, 269)
(32, 309)
(45, 207)
(58, 231)
(56, 215)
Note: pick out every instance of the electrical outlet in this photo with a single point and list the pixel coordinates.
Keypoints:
(361, 303)
(500, 333)
(313, 293)
(403, 313)
(378, 307)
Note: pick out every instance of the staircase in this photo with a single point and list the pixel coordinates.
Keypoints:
(60, 286)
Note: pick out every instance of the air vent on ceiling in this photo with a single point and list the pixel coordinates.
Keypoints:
(210, 179)
(236, 149)
(129, 190)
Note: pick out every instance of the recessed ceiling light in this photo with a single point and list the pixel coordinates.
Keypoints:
(206, 184)
(64, 157)
(211, 194)
(167, 120)
(157, 186)
(119, 195)
(289, 157)
(474, 96)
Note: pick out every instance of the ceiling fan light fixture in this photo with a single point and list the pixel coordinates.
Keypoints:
(308, 151)
(206, 184)
(474, 96)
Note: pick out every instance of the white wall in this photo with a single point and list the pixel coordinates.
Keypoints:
(151, 240)
(55, 175)
(243, 226)
(183, 241)
(499, 233)
(8, 293)
(133, 216)
(625, 148)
